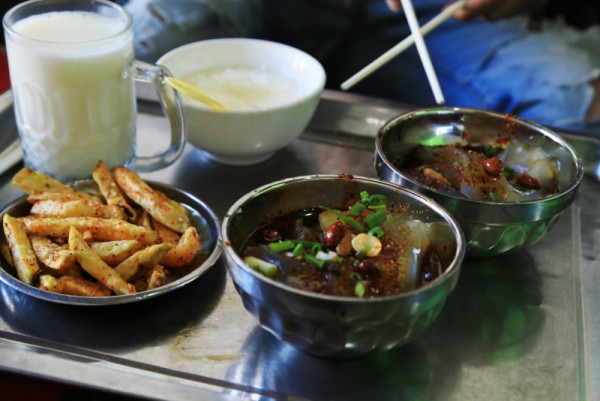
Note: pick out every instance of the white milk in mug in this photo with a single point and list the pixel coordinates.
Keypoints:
(74, 101)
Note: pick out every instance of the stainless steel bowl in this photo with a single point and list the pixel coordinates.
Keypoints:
(333, 326)
(491, 228)
(201, 216)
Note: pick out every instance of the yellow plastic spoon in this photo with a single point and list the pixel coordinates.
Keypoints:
(194, 93)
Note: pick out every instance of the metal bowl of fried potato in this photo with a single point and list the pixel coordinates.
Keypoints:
(201, 217)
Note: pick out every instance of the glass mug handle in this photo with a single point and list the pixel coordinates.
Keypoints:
(172, 106)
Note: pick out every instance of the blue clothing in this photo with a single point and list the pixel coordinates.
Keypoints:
(542, 75)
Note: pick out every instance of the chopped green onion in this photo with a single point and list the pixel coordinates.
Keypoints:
(376, 231)
(455, 163)
(281, 246)
(261, 266)
(365, 249)
(492, 150)
(357, 209)
(377, 202)
(319, 262)
(359, 289)
(507, 172)
(354, 276)
(316, 248)
(375, 219)
(495, 197)
(346, 219)
(298, 250)
(379, 198)
(327, 256)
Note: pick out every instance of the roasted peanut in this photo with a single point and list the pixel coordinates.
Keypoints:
(493, 166)
(528, 181)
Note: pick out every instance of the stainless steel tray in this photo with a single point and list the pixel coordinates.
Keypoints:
(519, 327)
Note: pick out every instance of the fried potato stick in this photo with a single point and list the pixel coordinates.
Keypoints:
(33, 182)
(185, 251)
(144, 220)
(50, 254)
(77, 208)
(55, 196)
(157, 277)
(23, 256)
(165, 233)
(114, 252)
(91, 263)
(96, 229)
(143, 259)
(176, 205)
(110, 190)
(75, 270)
(156, 204)
(72, 285)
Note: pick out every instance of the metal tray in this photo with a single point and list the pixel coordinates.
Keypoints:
(519, 327)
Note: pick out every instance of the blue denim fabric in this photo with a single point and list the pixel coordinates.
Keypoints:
(541, 75)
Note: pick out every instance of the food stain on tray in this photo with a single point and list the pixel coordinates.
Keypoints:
(182, 348)
(206, 340)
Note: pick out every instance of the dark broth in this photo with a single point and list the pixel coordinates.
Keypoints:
(381, 275)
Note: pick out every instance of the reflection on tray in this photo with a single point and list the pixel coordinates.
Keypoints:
(10, 150)
(115, 327)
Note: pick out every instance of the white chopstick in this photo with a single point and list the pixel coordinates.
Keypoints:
(413, 23)
(403, 45)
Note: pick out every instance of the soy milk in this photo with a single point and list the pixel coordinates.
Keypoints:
(239, 88)
(74, 99)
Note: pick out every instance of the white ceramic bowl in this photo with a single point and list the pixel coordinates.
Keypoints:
(247, 136)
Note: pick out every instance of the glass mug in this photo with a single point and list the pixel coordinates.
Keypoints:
(72, 72)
